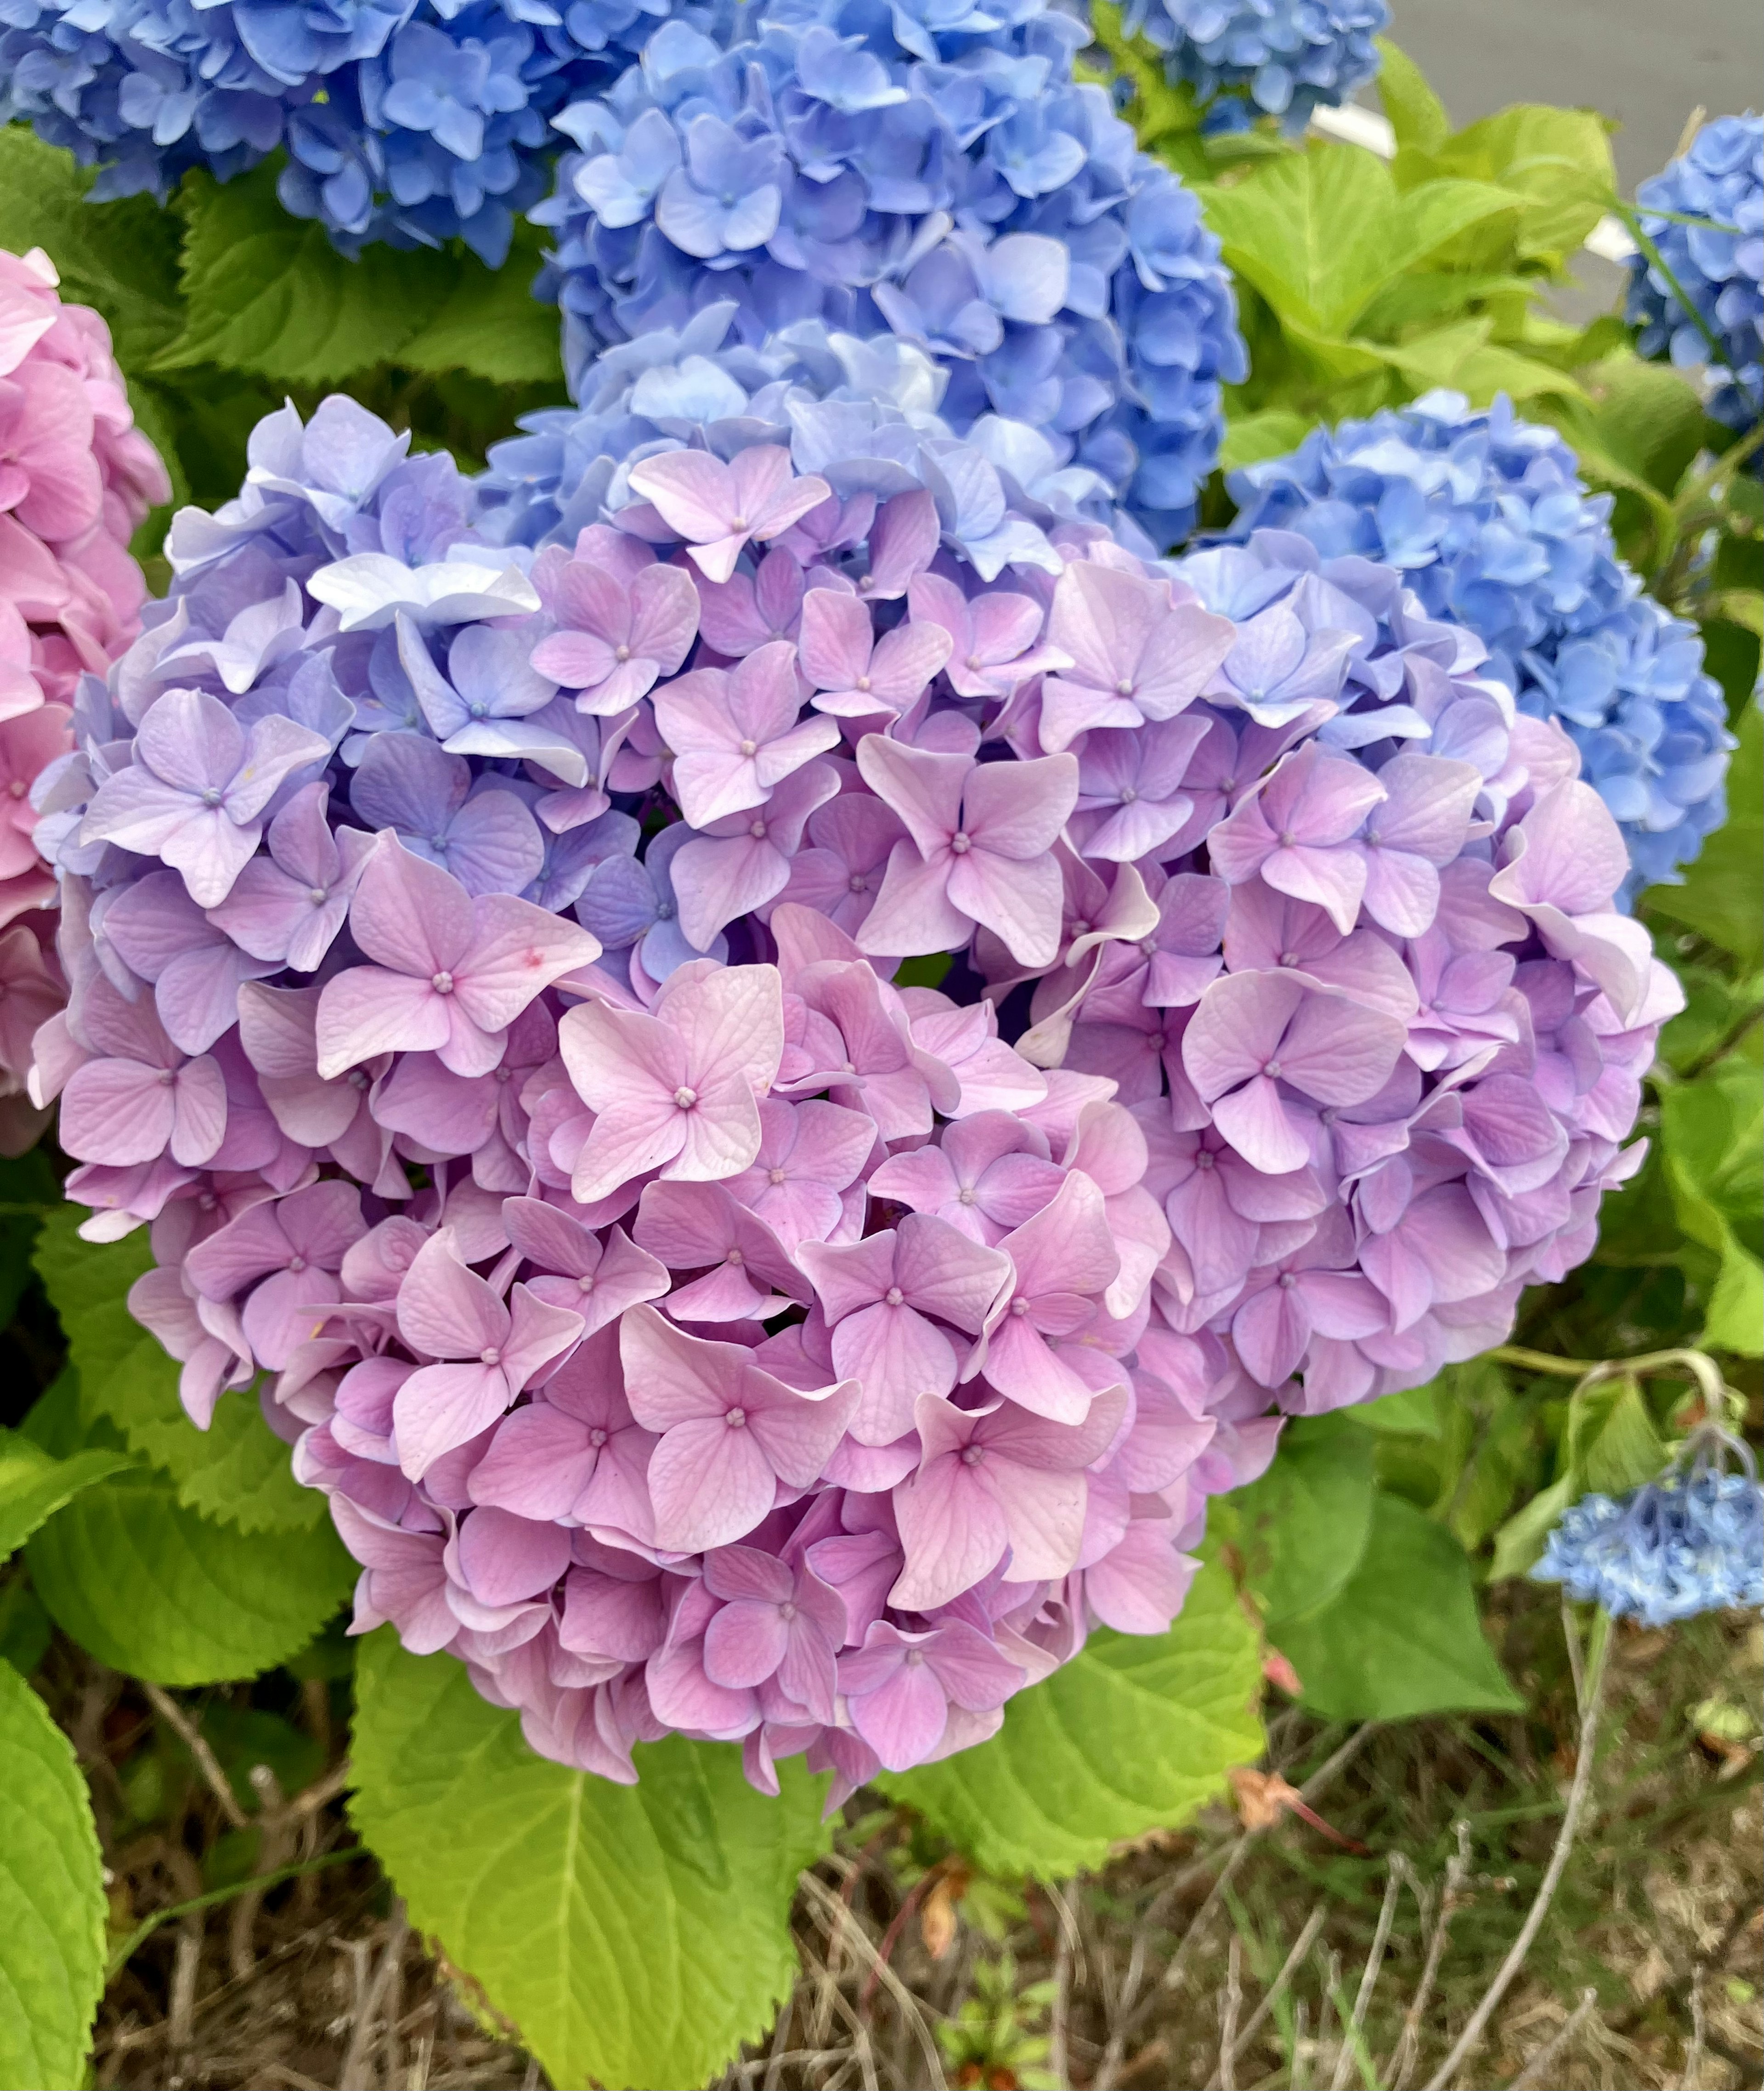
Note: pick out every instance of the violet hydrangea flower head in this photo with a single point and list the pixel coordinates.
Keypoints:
(947, 181)
(410, 121)
(483, 966)
(1285, 59)
(1704, 215)
(1487, 519)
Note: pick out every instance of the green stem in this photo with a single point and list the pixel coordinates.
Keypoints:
(1657, 259)
(254, 1883)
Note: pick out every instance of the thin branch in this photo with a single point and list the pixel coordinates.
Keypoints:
(148, 1925)
(206, 1762)
(1532, 2077)
(839, 1919)
(1558, 1858)
(1409, 2042)
(1276, 1988)
(1226, 2075)
(1352, 2043)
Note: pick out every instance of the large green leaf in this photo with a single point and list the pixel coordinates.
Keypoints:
(1133, 1735)
(1402, 1637)
(269, 293)
(1320, 233)
(1301, 1529)
(1719, 897)
(34, 1484)
(491, 324)
(1416, 115)
(1711, 1129)
(1558, 161)
(636, 1935)
(237, 1470)
(51, 1899)
(152, 1588)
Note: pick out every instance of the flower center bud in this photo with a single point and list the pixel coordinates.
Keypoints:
(1272, 1070)
(1228, 784)
(1289, 957)
(1288, 1281)
(858, 883)
(862, 682)
(735, 1418)
(1019, 1305)
(211, 796)
(973, 1455)
(894, 1295)
(585, 1282)
(750, 748)
(1204, 1158)
(17, 787)
(775, 1176)
(968, 1195)
(296, 1263)
(317, 895)
(1124, 687)
(914, 1657)
(1128, 795)
(685, 1097)
(974, 660)
(596, 1438)
(787, 1611)
(757, 829)
(1081, 928)
(490, 1354)
(166, 1078)
(442, 982)
(960, 844)
(736, 1258)
(621, 653)
(1286, 838)
(1372, 837)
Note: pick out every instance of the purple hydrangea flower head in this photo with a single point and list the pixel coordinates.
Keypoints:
(1704, 215)
(1277, 57)
(482, 963)
(1487, 519)
(945, 181)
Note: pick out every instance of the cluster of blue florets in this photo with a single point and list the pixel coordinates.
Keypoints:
(932, 170)
(1691, 1542)
(1274, 58)
(1487, 516)
(1717, 263)
(410, 121)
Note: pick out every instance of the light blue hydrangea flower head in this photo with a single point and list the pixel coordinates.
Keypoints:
(1274, 58)
(932, 170)
(864, 414)
(1717, 263)
(1487, 516)
(1691, 1541)
(409, 120)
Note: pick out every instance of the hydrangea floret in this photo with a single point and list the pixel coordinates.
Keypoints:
(488, 988)
(1704, 215)
(76, 477)
(1691, 1541)
(1276, 58)
(935, 173)
(410, 121)
(1486, 518)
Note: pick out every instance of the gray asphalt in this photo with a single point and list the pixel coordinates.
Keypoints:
(1647, 62)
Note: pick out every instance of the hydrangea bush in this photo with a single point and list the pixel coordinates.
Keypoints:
(411, 121)
(1704, 217)
(1277, 57)
(76, 477)
(935, 172)
(1485, 516)
(782, 1102)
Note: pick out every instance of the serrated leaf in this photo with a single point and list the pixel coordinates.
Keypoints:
(52, 1905)
(1718, 899)
(25, 1630)
(573, 1901)
(1135, 1734)
(152, 1589)
(1414, 1412)
(34, 1484)
(1416, 115)
(491, 324)
(1520, 1542)
(1402, 1637)
(237, 1470)
(1614, 1445)
(1648, 417)
(1303, 1527)
(1251, 437)
(267, 293)
(1558, 161)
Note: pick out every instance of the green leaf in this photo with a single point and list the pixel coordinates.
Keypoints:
(34, 1484)
(1558, 161)
(1711, 1129)
(153, 1588)
(1414, 1412)
(1135, 1734)
(25, 1630)
(491, 324)
(1719, 897)
(269, 293)
(1648, 417)
(52, 1905)
(1614, 1446)
(1520, 1542)
(587, 1911)
(121, 258)
(1402, 1637)
(1416, 115)
(1303, 1527)
(1320, 233)
(1251, 437)
(237, 1470)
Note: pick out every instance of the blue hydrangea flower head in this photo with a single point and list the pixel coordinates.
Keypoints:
(409, 120)
(1691, 1541)
(1488, 518)
(1717, 263)
(933, 171)
(864, 414)
(1279, 58)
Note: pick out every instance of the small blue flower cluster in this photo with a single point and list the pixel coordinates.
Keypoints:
(409, 120)
(1717, 264)
(864, 414)
(931, 169)
(1487, 518)
(1686, 1544)
(1277, 57)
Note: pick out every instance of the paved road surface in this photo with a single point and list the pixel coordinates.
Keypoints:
(1647, 62)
